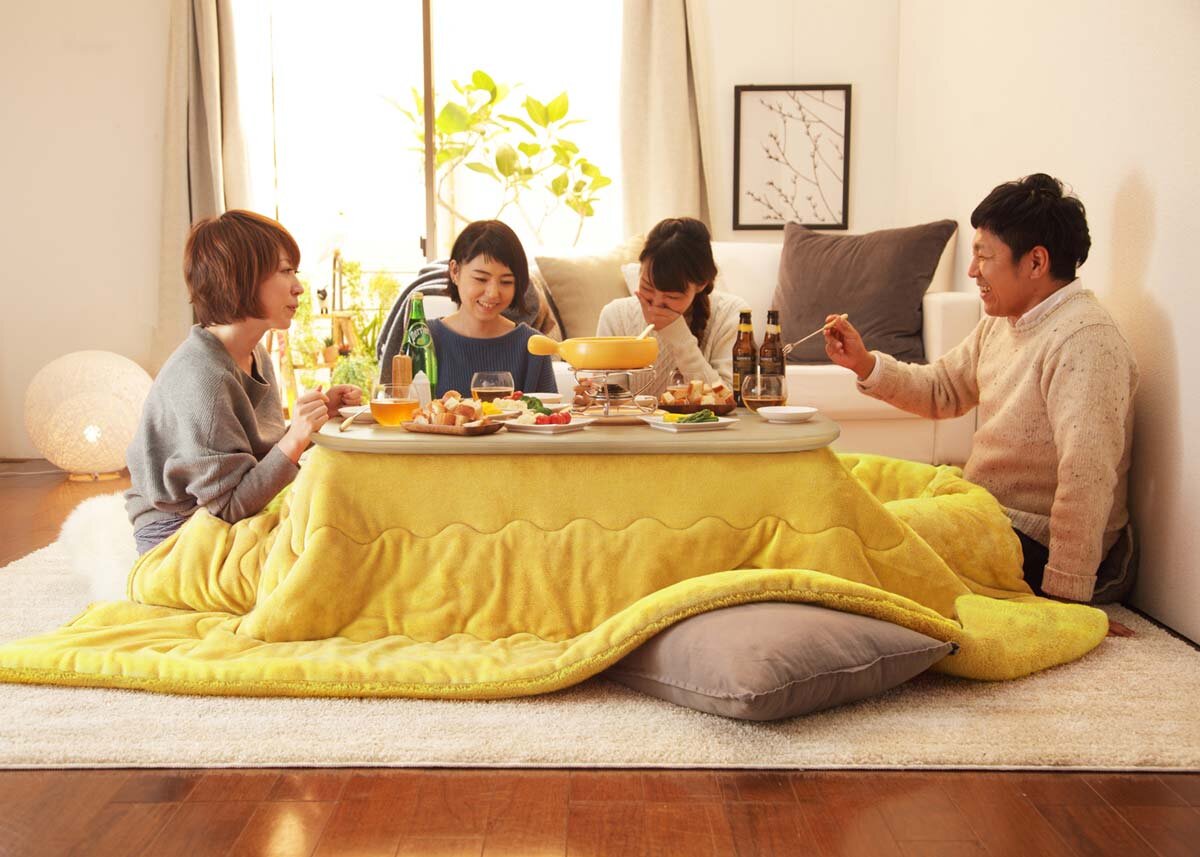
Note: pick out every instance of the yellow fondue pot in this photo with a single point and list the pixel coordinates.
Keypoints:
(599, 352)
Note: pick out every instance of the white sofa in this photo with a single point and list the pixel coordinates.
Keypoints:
(868, 425)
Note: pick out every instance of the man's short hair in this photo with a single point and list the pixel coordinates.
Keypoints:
(1035, 211)
(496, 241)
(227, 258)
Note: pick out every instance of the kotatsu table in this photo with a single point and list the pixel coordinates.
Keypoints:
(514, 564)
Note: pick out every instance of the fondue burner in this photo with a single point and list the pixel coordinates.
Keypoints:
(611, 389)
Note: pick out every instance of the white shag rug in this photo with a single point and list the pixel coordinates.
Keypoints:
(1133, 704)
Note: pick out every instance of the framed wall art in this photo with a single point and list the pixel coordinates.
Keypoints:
(791, 156)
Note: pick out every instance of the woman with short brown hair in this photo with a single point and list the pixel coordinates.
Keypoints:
(212, 434)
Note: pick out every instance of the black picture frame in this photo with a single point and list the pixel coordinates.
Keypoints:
(790, 153)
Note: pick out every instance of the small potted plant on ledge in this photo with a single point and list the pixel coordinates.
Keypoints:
(329, 355)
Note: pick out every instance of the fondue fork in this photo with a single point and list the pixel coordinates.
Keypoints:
(787, 348)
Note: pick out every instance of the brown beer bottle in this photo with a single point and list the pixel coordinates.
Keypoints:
(770, 356)
(745, 353)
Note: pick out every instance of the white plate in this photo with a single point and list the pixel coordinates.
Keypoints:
(508, 415)
(547, 398)
(575, 424)
(787, 413)
(364, 417)
(660, 423)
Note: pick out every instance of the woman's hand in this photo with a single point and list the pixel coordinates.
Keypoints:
(845, 347)
(659, 316)
(343, 396)
(311, 412)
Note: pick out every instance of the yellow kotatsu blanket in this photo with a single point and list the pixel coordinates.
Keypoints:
(484, 576)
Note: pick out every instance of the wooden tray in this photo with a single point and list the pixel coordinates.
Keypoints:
(462, 431)
(720, 410)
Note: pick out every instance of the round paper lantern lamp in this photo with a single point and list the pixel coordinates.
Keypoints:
(82, 410)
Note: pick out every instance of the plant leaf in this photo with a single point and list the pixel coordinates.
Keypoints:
(506, 160)
(589, 169)
(530, 149)
(559, 185)
(569, 146)
(519, 121)
(483, 81)
(453, 119)
(557, 108)
(600, 181)
(570, 122)
(482, 168)
(537, 111)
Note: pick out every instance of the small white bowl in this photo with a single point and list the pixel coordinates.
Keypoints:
(787, 413)
(364, 417)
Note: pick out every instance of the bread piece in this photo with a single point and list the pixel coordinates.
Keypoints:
(695, 392)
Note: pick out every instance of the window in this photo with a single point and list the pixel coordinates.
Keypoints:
(349, 161)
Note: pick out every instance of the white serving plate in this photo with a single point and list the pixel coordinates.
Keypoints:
(364, 417)
(659, 423)
(787, 413)
(508, 415)
(576, 424)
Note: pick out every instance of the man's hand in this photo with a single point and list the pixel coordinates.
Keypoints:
(659, 316)
(342, 396)
(845, 347)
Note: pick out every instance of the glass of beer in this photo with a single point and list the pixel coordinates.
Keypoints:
(392, 404)
(760, 391)
(489, 386)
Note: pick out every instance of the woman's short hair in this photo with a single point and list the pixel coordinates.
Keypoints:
(496, 241)
(679, 250)
(1036, 211)
(227, 258)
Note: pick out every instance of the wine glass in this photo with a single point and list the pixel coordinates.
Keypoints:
(392, 404)
(489, 386)
(759, 391)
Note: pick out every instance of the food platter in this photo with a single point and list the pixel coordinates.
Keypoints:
(576, 424)
(658, 422)
(361, 419)
(509, 415)
(462, 431)
(719, 409)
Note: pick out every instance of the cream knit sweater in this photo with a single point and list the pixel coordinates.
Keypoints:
(710, 359)
(1055, 422)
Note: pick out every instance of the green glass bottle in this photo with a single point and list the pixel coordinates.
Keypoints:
(418, 341)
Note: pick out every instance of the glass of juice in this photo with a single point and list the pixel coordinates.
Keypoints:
(392, 404)
(760, 391)
(489, 386)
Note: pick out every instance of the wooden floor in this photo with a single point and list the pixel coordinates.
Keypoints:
(436, 813)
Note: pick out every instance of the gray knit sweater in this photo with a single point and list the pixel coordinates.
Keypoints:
(207, 437)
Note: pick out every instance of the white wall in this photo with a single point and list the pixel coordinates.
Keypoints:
(1102, 95)
(82, 106)
(791, 42)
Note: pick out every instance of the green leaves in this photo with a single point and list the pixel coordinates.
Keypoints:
(536, 170)
(537, 111)
(453, 119)
(557, 108)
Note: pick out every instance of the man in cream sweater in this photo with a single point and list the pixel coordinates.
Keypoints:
(1053, 379)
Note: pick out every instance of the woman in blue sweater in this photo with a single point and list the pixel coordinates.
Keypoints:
(488, 271)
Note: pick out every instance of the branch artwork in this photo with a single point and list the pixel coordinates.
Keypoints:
(791, 163)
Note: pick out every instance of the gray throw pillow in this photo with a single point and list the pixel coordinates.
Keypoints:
(770, 660)
(878, 279)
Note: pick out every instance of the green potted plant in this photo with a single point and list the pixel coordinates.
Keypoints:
(329, 354)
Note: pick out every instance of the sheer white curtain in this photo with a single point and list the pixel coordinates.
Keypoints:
(662, 160)
(218, 138)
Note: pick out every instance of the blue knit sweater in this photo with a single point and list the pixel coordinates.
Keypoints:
(459, 357)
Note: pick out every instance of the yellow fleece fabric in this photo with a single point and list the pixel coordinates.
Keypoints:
(485, 576)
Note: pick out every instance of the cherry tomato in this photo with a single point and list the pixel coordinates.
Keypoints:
(561, 418)
(516, 396)
(544, 420)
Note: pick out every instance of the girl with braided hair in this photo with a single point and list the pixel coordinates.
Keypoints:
(695, 326)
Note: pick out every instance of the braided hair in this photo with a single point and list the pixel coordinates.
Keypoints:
(679, 250)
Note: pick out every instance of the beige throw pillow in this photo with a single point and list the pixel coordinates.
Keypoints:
(580, 286)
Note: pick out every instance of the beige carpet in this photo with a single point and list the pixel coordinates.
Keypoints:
(1131, 704)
